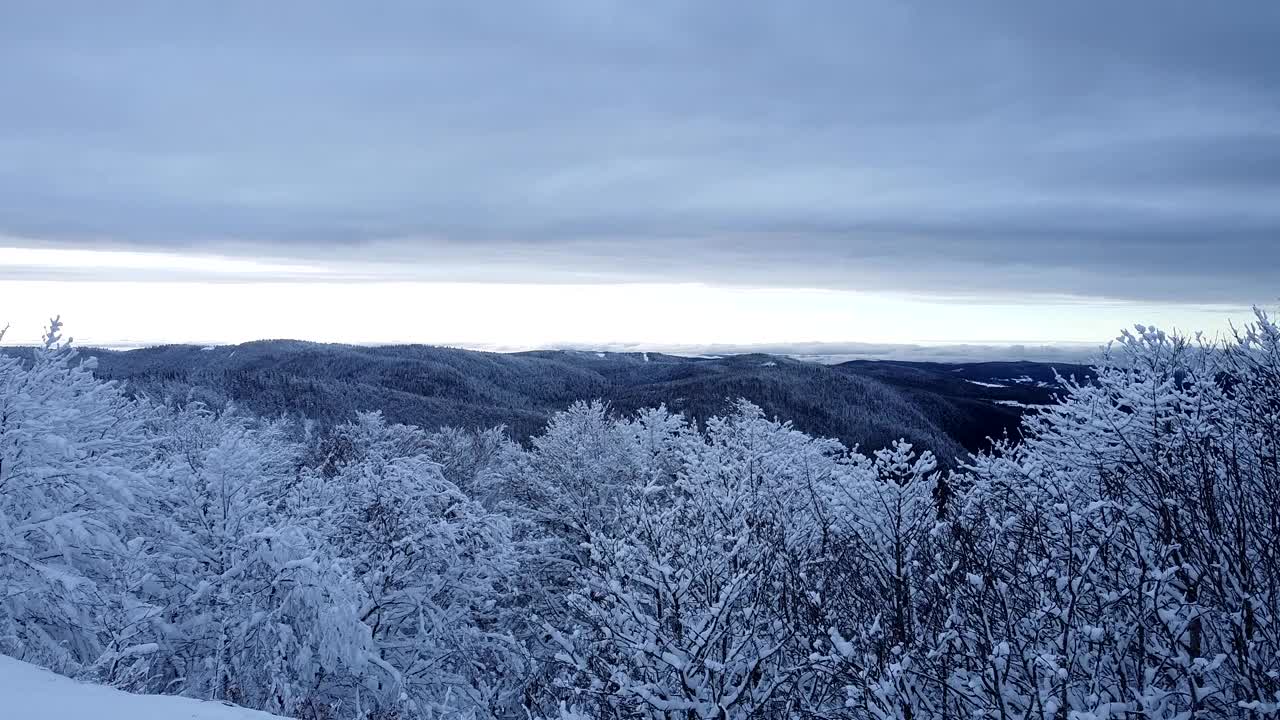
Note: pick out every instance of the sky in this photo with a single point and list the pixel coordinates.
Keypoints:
(601, 172)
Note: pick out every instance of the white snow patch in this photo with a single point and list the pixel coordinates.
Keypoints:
(985, 384)
(599, 355)
(1015, 403)
(27, 691)
(646, 356)
(769, 364)
(1023, 380)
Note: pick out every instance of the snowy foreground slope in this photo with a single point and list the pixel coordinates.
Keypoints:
(28, 692)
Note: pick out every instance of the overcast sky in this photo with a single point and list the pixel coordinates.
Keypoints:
(1075, 163)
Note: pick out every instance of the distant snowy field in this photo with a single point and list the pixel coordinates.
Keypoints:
(31, 693)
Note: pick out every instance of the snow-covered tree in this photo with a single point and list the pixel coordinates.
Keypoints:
(579, 470)
(1121, 560)
(878, 596)
(687, 605)
(435, 568)
(478, 463)
(257, 610)
(71, 450)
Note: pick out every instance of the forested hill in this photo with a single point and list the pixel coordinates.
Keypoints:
(950, 408)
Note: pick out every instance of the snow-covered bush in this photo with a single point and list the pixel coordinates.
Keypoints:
(71, 452)
(1121, 560)
(435, 569)
(256, 608)
(688, 602)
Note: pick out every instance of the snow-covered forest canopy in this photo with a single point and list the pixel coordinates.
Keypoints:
(1121, 560)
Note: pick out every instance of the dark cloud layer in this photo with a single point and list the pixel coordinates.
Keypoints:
(1113, 149)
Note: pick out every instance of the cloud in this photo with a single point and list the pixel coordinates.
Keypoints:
(991, 148)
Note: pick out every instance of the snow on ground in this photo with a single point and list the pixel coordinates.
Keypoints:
(1015, 403)
(31, 693)
(985, 384)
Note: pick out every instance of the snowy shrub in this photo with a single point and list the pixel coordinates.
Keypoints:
(71, 450)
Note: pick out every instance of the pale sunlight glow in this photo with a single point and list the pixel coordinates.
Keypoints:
(81, 259)
(514, 316)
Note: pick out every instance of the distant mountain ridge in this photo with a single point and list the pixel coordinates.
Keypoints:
(950, 408)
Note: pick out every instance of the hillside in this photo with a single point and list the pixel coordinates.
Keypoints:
(951, 408)
(28, 692)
